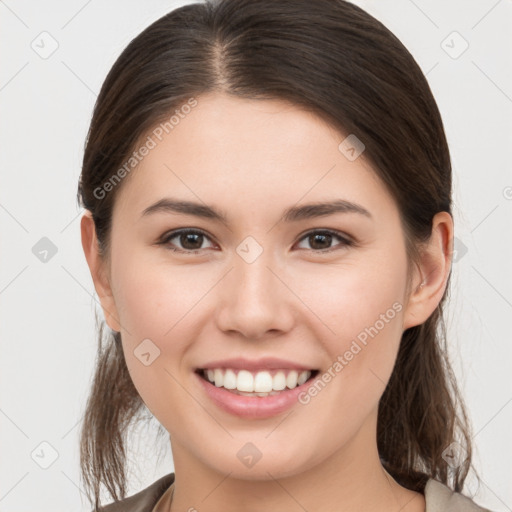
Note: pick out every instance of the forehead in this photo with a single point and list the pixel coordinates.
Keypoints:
(248, 155)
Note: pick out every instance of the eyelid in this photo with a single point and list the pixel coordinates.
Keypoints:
(341, 234)
(164, 239)
(347, 240)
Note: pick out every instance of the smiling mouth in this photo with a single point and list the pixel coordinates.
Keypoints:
(256, 383)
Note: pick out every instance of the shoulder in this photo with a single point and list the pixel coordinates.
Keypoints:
(440, 498)
(143, 501)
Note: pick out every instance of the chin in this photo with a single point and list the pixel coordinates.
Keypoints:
(249, 463)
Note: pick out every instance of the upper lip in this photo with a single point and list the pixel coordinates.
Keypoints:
(266, 363)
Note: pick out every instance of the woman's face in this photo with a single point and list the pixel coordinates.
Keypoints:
(258, 285)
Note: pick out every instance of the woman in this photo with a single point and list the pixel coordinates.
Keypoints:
(268, 227)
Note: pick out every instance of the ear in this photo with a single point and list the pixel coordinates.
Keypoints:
(430, 278)
(97, 267)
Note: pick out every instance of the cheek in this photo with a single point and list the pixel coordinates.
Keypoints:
(155, 308)
(361, 311)
(156, 313)
(351, 296)
(152, 299)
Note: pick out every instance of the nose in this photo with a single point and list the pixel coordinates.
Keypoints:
(255, 299)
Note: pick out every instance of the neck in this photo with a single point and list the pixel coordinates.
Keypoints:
(351, 479)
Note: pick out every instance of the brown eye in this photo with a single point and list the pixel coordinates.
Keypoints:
(190, 240)
(321, 240)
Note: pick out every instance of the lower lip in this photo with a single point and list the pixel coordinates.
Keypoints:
(253, 407)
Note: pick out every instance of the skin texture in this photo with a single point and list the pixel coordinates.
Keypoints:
(252, 160)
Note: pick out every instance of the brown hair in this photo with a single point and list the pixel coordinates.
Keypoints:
(334, 59)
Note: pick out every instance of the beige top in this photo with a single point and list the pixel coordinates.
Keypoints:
(157, 498)
(438, 498)
(164, 503)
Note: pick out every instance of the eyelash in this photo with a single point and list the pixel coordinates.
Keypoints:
(346, 242)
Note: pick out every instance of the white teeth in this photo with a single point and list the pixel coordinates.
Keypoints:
(245, 381)
(279, 381)
(256, 384)
(303, 377)
(230, 379)
(219, 378)
(263, 382)
(291, 379)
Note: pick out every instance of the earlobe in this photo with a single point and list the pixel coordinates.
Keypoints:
(98, 270)
(433, 269)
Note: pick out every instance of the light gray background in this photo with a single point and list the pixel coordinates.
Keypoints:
(48, 340)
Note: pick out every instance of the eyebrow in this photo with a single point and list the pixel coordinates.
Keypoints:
(292, 214)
